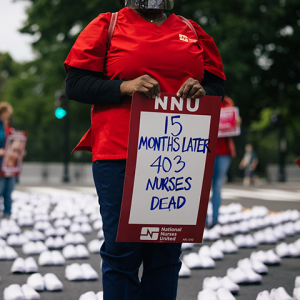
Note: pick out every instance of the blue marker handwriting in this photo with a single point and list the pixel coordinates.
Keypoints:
(169, 184)
(166, 164)
(172, 140)
(167, 203)
(174, 144)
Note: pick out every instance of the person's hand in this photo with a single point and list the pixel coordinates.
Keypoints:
(191, 89)
(2, 151)
(254, 164)
(238, 121)
(242, 165)
(143, 84)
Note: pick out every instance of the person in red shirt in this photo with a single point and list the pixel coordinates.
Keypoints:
(224, 152)
(150, 51)
(7, 184)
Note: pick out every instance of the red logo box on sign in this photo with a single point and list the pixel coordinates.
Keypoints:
(171, 153)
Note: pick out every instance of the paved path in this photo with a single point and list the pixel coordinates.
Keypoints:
(275, 197)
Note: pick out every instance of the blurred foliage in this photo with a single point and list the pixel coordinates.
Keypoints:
(258, 41)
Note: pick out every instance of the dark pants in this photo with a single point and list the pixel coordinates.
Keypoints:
(121, 261)
(7, 185)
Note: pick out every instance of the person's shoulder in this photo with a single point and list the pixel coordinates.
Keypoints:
(98, 24)
(196, 25)
(102, 18)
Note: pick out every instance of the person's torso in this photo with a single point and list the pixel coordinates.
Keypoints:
(169, 53)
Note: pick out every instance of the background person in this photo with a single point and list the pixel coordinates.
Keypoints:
(249, 163)
(137, 60)
(224, 153)
(7, 184)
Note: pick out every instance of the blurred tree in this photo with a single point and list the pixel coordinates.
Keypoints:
(258, 40)
(55, 25)
(259, 43)
(7, 69)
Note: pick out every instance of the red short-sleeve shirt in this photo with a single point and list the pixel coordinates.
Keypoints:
(168, 53)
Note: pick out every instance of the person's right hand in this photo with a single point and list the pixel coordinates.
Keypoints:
(238, 121)
(2, 151)
(242, 165)
(143, 84)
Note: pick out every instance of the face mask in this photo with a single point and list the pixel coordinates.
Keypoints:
(151, 4)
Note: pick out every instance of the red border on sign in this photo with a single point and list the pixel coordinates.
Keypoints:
(208, 105)
(14, 171)
(232, 129)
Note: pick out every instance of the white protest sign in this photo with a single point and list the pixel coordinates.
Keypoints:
(169, 168)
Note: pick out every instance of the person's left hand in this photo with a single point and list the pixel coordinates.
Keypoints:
(191, 89)
(238, 121)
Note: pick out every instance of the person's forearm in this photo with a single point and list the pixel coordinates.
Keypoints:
(213, 85)
(215, 89)
(254, 164)
(88, 87)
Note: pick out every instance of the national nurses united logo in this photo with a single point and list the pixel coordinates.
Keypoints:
(184, 38)
(149, 234)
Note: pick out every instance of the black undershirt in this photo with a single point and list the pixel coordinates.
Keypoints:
(89, 87)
